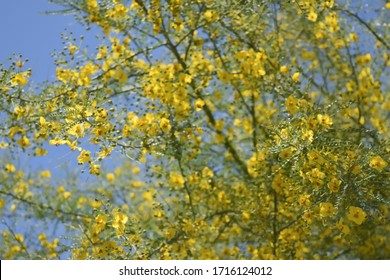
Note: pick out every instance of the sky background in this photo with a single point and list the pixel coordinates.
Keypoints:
(26, 30)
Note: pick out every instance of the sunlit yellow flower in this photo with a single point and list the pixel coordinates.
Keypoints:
(19, 64)
(324, 120)
(66, 195)
(60, 189)
(334, 184)
(85, 156)
(176, 180)
(77, 130)
(356, 215)
(46, 174)
(10, 168)
(19, 238)
(3, 145)
(312, 16)
(210, 15)
(342, 227)
(40, 152)
(105, 151)
(295, 76)
(286, 153)
(72, 49)
(165, 125)
(207, 173)
(136, 170)
(42, 236)
(94, 169)
(110, 177)
(148, 196)
(19, 80)
(24, 142)
(100, 222)
(245, 216)
(283, 69)
(378, 163)
(292, 105)
(118, 12)
(119, 222)
(199, 103)
(327, 209)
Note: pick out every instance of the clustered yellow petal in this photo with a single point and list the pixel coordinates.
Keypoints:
(356, 215)
(378, 163)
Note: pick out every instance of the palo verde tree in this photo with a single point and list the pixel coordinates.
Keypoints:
(249, 130)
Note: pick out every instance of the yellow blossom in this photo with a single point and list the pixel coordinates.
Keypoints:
(19, 238)
(100, 222)
(199, 103)
(105, 152)
(46, 174)
(148, 196)
(110, 177)
(77, 130)
(94, 169)
(308, 135)
(283, 69)
(10, 168)
(356, 215)
(3, 145)
(118, 12)
(207, 173)
(245, 216)
(295, 76)
(327, 209)
(119, 222)
(120, 75)
(40, 152)
(85, 156)
(136, 170)
(292, 105)
(210, 15)
(57, 141)
(176, 180)
(378, 163)
(19, 80)
(24, 142)
(334, 184)
(42, 236)
(72, 49)
(19, 64)
(342, 227)
(165, 125)
(324, 120)
(286, 153)
(312, 16)
(66, 195)
(60, 189)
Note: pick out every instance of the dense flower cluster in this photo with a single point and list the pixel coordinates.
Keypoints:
(250, 129)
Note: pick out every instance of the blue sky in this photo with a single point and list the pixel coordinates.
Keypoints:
(24, 29)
